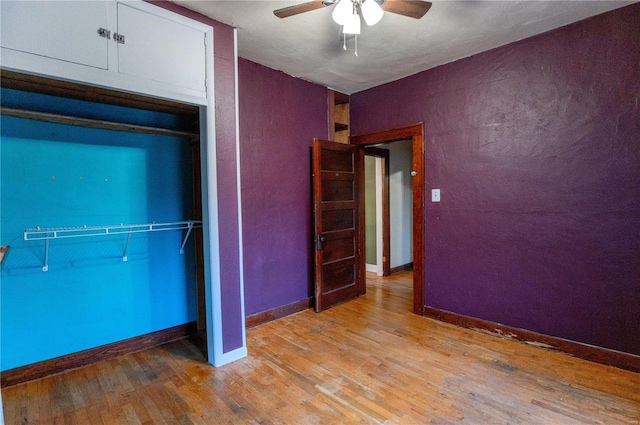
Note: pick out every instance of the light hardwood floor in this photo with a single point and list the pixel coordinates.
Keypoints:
(368, 361)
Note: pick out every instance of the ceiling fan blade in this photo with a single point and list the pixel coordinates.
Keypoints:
(298, 8)
(411, 8)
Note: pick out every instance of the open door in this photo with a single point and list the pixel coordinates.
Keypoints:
(339, 268)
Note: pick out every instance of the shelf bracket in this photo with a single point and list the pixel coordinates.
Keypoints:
(126, 246)
(45, 267)
(184, 241)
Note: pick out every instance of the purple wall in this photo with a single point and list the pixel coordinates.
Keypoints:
(279, 117)
(535, 146)
(224, 80)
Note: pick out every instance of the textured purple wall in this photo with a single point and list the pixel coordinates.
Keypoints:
(535, 146)
(232, 318)
(279, 117)
(224, 80)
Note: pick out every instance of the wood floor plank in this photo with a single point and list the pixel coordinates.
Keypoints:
(32, 406)
(364, 362)
(131, 415)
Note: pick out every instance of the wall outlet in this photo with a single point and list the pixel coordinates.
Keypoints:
(435, 195)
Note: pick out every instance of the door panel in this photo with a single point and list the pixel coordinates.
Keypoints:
(338, 276)
(337, 190)
(339, 269)
(337, 219)
(338, 249)
(337, 160)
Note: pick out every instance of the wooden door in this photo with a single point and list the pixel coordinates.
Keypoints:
(339, 267)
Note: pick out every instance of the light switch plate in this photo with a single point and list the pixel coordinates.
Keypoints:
(435, 195)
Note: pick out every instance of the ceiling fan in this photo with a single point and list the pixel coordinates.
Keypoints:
(347, 13)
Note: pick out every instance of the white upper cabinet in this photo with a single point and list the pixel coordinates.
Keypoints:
(130, 46)
(34, 27)
(149, 40)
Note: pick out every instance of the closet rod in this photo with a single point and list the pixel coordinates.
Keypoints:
(93, 123)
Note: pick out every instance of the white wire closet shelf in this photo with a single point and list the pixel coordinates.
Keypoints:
(40, 233)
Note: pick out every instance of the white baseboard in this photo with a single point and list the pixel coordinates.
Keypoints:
(374, 268)
(231, 356)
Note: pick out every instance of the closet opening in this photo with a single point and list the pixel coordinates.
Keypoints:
(101, 205)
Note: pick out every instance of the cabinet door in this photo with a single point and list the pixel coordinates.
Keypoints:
(160, 49)
(64, 30)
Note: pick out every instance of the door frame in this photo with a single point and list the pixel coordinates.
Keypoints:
(415, 132)
(383, 154)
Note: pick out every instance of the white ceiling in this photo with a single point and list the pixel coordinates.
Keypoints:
(308, 45)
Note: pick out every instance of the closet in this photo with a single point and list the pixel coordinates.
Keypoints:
(108, 174)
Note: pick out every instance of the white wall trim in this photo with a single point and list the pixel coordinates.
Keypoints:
(379, 217)
(218, 357)
(372, 268)
(232, 356)
(211, 246)
(239, 190)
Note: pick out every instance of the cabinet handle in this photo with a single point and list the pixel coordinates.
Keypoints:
(105, 33)
(119, 38)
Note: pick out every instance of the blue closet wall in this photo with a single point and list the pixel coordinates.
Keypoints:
(56, 175)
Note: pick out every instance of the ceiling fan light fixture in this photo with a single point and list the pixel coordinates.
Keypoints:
(346, 13)
(342, 12)
(371, 12)
(353, 25)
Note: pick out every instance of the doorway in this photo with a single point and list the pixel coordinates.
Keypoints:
(415, 133)
(376, 206)
(388, 207)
